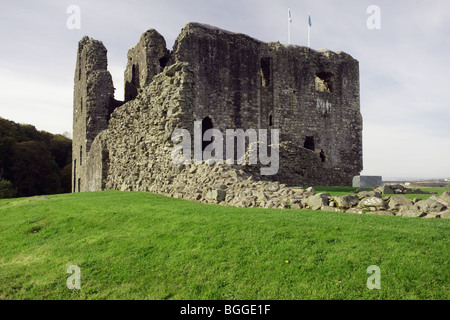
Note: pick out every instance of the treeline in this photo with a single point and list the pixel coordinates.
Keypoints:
(33, 162)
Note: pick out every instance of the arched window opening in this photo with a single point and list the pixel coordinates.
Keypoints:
(265, 71)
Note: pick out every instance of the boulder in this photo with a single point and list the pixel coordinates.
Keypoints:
(400, 202)
(398, 188)
(430, 205)
(346, 202)
(355, 211)
(296, 206)
(366, 194)
(318, 201)
(330, 209)
(411, 213)
(261, 196)
(216, 195)
(445, 198)
(372, 202)
(445, 214)
(385, 189)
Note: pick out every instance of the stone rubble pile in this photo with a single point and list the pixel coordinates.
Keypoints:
(232, 185)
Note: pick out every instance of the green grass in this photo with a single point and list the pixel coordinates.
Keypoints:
(342, 191)
(134, 245)
(338, 191)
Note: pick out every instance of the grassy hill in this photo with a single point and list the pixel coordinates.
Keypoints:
(134, 245)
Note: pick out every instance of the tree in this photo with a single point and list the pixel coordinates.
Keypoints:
(33, 169)
(7, 189)
(40, 167)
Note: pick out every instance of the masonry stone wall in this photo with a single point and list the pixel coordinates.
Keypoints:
(145, 60)
(237, 82)
(92, 105)
(245, 83)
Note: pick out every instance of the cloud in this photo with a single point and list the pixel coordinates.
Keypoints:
(33, 100)
(403, 67)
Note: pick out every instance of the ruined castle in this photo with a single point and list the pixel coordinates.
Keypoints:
(225, 80)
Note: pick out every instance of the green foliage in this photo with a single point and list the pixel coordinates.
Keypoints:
(34, 171)
(36, 162)
(136, 245)
(7, 189)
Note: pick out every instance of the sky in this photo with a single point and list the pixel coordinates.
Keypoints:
(404, 61)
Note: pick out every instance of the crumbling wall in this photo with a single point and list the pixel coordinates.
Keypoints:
(227, 77)
(311, 97)
(330, 119)
(138, 139)
(145, 60)
(93, 103)
(243, 83)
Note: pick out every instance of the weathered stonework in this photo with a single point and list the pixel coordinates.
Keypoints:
(235, 82)
(92, 104)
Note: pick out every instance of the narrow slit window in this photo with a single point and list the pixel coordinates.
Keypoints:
(74, 175)
(322, 155)
(206, 125)
(265, 71)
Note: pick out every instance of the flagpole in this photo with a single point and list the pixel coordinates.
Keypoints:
(289, 25)
(309, 30)
(309, 36)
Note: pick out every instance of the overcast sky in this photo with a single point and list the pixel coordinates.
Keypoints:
(404, 66)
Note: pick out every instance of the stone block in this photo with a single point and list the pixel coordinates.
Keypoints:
(217, 195)
(367, 181)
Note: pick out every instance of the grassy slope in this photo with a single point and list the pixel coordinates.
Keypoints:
(132, 245)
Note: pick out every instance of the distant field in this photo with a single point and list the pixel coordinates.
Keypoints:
(340, 191)
(135, 245)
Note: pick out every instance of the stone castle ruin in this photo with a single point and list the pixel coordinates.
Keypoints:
(227, 81)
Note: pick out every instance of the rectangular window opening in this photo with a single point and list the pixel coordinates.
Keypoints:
(309, 143)
(265, 71)
(324, 82)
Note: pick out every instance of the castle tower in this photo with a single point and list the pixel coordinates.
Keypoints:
(145, 60)
(92, 105)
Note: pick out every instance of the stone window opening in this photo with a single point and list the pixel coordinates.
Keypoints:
(74, 175)
(163, 62)
(270, 120)
(206, 125)
(81, 105)
(81, 155)
(79, 184)
(135, 75)
(309, 143)
(265, 71)
(324, 82)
